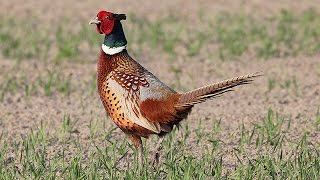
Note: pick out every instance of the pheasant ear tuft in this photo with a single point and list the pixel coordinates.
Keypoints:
(119, 17)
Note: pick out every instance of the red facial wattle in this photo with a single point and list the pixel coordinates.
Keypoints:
(106, 26)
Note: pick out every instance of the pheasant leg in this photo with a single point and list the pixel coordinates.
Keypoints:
(156, 156)
(137, 143)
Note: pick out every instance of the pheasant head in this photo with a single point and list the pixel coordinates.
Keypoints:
(109, 24)
(105, 21)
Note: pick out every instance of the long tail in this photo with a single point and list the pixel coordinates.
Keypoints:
(202, 94)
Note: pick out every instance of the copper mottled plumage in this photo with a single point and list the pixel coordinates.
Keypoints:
(137, 101)
(158, 108)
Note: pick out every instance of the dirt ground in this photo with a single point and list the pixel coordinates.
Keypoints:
(247, 105)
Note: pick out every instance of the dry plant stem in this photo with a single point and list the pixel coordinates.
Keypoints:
(124, 155)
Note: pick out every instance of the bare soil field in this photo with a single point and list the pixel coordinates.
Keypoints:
(63, 103)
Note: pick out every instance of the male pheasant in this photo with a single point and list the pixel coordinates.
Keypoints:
(136, 100)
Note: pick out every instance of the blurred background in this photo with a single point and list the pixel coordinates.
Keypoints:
(49, 101)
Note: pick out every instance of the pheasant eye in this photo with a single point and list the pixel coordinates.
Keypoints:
(107, 17)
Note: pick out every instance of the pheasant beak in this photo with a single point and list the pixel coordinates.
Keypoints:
(95, 21)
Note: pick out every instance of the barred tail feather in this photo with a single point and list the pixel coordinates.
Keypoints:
(202, 94)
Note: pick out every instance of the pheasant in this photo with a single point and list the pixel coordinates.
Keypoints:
(136, 100)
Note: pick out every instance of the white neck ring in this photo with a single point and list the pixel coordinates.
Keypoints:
(111, 51)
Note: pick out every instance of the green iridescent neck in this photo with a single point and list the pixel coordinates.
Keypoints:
(116, 38)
